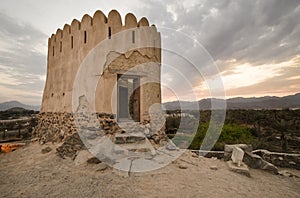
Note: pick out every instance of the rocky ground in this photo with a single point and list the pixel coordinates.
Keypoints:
(29, 172)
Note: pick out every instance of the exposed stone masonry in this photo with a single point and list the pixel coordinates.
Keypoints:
(54, 127)
(61, 127)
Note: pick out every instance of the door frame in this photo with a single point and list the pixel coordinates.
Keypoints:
(124, 76)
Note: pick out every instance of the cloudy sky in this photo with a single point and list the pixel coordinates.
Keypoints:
(255, 44)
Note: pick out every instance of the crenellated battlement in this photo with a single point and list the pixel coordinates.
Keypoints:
(69, 47)
(91, 29)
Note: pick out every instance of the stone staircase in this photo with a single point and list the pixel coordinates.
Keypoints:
(131, 143)
(129, 151)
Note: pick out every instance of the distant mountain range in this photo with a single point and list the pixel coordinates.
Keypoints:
(13, 104)
(266, 102)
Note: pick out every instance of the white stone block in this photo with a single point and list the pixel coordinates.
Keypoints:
(237, 155)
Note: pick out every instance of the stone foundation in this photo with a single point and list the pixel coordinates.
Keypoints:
(54, 127)
(61, 127)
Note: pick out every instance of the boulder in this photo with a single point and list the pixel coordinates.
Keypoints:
(269, 167)
(83, 157)
(46, 150)
(252, 160)
(255, 161)
(93, 160)
(182, 166)
(101, 166)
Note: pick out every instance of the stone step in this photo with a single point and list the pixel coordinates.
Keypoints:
(131, 127)
(128, 124)
(128, 138)
(140, 149)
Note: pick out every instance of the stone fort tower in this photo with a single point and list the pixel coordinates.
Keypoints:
(121, 84)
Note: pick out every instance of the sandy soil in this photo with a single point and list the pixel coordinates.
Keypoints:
(29, 173)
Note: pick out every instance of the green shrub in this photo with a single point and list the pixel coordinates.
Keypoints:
(230, 134)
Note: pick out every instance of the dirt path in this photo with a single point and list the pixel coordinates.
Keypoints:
(29, 173)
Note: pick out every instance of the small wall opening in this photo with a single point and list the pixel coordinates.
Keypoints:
(53, 51)
(109, 32)
(60, 46)
(72, 42)
(133, 36)
(85, 36)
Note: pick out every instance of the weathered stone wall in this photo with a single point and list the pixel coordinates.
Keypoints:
(54, 127)
(285, 160)
(69, 47)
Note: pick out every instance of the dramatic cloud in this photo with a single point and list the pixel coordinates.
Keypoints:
(284, 81)
(255, 44)
(250, 31)
(22, 60)
(253, 39)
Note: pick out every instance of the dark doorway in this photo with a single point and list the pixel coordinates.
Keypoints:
(123, 102)
(128, 98)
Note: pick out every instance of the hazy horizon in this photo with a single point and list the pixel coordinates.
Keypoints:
(170, 100)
